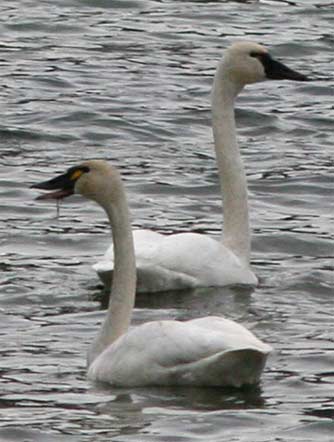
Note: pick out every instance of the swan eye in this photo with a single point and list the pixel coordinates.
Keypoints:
(255, 54)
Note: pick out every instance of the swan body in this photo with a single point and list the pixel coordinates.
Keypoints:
(209, 351)
(179, 261)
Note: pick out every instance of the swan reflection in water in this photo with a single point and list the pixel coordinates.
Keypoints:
(124, 401)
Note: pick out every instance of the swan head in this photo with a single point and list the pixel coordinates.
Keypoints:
(94, 179)
(247, 62)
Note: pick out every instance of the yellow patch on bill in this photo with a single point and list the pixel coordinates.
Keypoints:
(76, 174)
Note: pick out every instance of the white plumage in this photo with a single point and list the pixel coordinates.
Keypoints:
(209, 351)
(179, 261)
(204, 352)
(171, 262)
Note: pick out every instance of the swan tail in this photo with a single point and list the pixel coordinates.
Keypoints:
(234, 368)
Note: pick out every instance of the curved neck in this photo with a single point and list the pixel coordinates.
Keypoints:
(231, 170)
(123, 289)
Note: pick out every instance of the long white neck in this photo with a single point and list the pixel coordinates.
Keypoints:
(123, 290)
(231, 170)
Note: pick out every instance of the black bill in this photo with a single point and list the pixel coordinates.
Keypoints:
(61, 186)
(275, 70)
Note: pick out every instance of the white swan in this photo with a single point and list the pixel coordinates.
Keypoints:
(202, 352)
(185, 260)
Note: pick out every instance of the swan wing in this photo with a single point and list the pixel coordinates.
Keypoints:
(182, 353)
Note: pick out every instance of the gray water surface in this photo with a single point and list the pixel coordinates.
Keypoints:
(129, 81)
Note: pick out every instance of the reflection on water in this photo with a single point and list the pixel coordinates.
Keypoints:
(129, 81)
(174, 399)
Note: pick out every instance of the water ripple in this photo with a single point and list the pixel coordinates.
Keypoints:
(129, 81)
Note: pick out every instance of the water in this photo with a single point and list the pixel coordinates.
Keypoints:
(129, 81)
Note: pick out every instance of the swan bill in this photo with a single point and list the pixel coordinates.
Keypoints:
(275, 70)
(62, 186)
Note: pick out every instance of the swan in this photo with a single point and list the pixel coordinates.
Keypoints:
(188, 260)
(208, 351)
